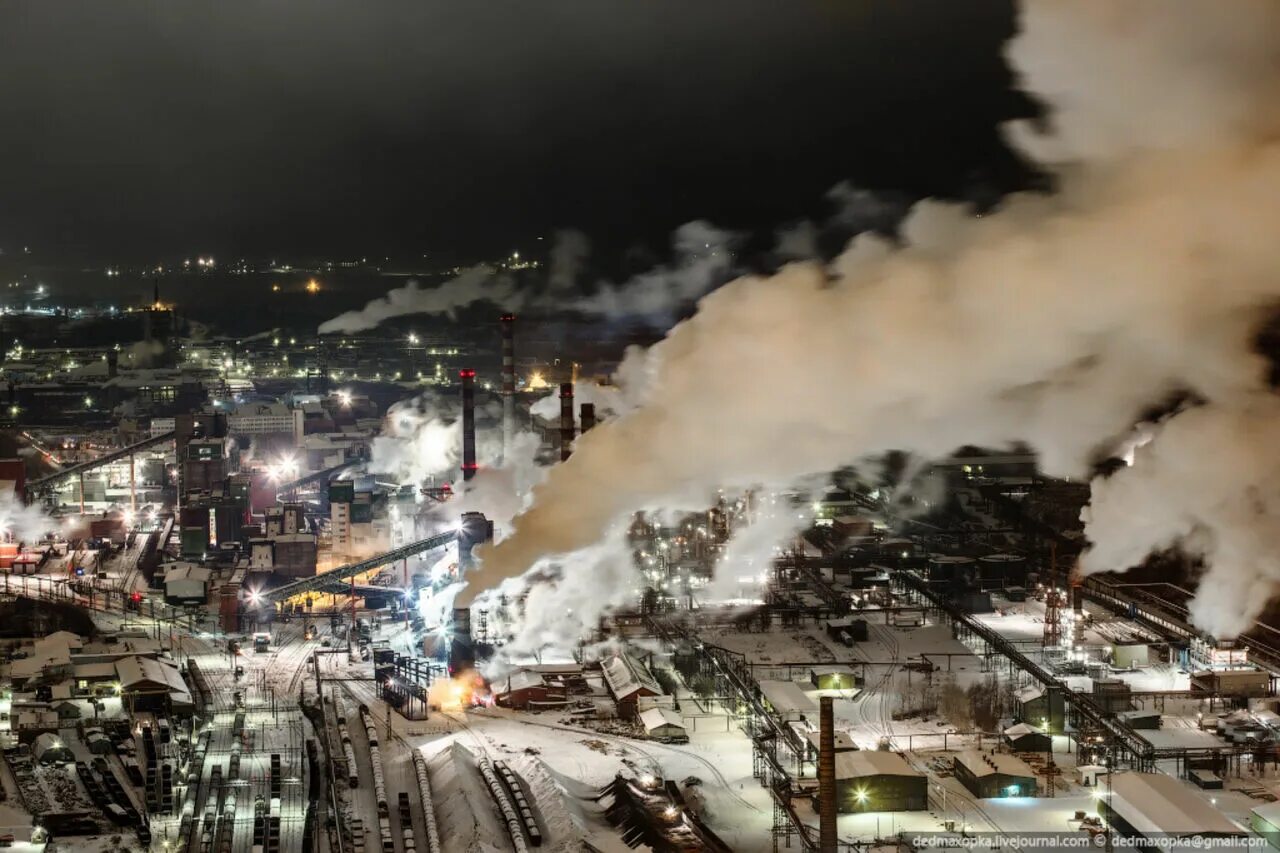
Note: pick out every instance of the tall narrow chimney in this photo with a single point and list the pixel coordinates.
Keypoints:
(508, 382)
(586, 416)
(566, 420)
(468, 423)
(826, 776)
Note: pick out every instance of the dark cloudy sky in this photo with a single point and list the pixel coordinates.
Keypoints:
(399, 126)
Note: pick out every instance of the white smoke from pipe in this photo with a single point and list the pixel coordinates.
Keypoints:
(1056, 321)
(471, 286)
(703, 258)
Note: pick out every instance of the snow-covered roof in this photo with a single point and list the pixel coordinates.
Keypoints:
(787, 697)
(842, 740)
(1019, 730)
(872, 762)
(1270, 812)
(139, 673)
(59, 640)
(985, 763)
(831, 669)
(521, 679)
(1153, 803)
(656, 718)
(47, 741)
(187, 572)
(1029, 693)
(626, 676)
(105, 669)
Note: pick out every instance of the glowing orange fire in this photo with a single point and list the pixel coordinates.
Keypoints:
(465, 690)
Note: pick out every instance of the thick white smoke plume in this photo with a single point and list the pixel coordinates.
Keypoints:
(607, 399)
(1056, 321)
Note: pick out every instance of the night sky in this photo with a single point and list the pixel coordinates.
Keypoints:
(137, 130)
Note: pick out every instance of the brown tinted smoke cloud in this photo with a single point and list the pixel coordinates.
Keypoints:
(1055, 321)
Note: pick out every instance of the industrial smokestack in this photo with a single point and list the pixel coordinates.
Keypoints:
(508, 382)
(586, 416)
(566, 420)
(826, 776)
(462, 654)
(113, 364)
(468, 423)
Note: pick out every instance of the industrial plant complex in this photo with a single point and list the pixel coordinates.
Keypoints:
(942, 520)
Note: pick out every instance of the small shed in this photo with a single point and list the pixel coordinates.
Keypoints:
(1042, 707)
(48, 748)
(833, 677)
(995, 774)
(664, 725)
(523, 687)
(1024, 738)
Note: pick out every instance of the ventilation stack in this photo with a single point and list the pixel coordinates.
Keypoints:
(826, 776)
(468, 423)
(586, 416)
(566, 420)
(508, 382)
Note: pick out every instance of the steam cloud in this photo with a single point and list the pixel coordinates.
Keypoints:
(1055, 321)
(23, 523)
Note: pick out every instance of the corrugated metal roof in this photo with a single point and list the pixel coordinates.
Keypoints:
(872, 762)
(1153, 803)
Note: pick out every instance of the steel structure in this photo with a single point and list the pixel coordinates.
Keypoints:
(318, 477)
(1140, 750)
(324, 579)
(84, 467)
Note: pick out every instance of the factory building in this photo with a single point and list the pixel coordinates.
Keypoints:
(267, 419)
(989, 775)
(628, 680)
(878, 781)
(1155, 806)
(153, 685)
(185, 583)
